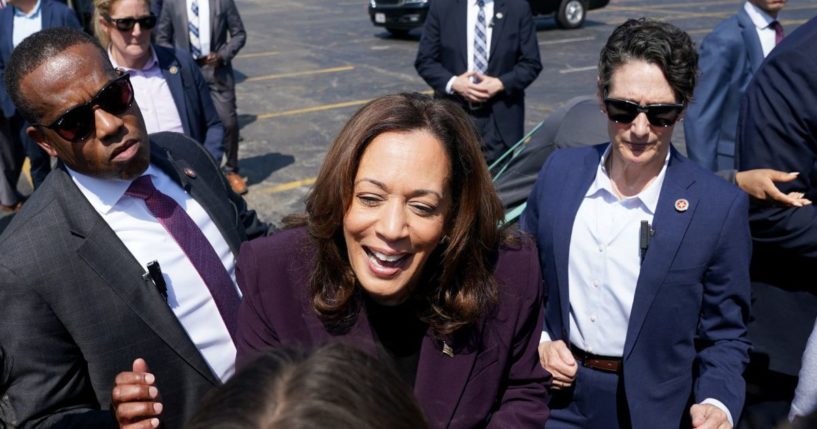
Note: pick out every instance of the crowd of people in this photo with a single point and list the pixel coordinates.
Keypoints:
(638, 289)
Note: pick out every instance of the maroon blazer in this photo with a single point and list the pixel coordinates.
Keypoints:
(494, 381)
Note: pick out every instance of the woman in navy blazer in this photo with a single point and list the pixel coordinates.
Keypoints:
(400, 254)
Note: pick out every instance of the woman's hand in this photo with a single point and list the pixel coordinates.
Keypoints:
(760, 185)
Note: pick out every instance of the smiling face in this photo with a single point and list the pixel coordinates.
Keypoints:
(638, 144)
(130, 48)
(396, 218)
(118, 146)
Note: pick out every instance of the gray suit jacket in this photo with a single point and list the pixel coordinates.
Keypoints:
(227, 35)
(75, 309)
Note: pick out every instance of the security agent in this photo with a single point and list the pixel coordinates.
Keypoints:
(75, 306)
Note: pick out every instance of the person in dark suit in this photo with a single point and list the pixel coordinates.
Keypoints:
(646, 320)
(778, 117)
(170, 90)
(214, 56)
(77, 303)
(730, 56)
(49, 14)
(402, 257)
(489, 85)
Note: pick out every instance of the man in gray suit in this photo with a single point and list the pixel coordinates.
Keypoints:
(213, 33)
(125, 253)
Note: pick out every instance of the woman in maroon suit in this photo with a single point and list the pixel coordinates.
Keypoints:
(400, 254)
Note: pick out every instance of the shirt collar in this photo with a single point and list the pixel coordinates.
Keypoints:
(487, 2)
(31, 15)
(151, 63)
(103, 194)
(759, 17)
(648, 197)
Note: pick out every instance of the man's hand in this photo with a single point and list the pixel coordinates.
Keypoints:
(708, 416)
(490, 85)
(760, 185)
(135, 398)
(213, 59)
(556, 359)
(464, 85)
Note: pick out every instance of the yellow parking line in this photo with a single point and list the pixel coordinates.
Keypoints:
(286, 186)
(322, 107)
(256, 55)
(300, 73)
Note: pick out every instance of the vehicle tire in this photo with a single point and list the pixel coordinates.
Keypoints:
(571, 14)
(397, 32)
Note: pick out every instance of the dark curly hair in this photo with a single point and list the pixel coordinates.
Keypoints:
(655, 42)
(458, 282)
(35, 50)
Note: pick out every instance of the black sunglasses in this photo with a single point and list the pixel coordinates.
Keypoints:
(77, 123)
(126, 24)
(625, 112)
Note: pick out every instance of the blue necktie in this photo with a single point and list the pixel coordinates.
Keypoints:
(193, 30)
(481, 40)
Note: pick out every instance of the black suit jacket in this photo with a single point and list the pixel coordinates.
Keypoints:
(514, 56)
(75, 309)
(777, 129)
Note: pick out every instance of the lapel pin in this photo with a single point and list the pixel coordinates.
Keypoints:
(189, 172)
(173, 70)
(681, 205)
(447, 350)
(499, 15)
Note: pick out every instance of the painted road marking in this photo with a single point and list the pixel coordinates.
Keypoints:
(299, 73)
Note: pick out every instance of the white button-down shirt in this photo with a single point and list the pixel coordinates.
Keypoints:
(188, 295)
(204, 24)
(471, 23)
(761, 19)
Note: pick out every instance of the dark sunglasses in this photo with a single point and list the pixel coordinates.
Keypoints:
(659, 115)
(77, 123)
(126, 24)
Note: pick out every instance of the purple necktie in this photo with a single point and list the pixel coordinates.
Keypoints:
(194, 244)
(778, 32)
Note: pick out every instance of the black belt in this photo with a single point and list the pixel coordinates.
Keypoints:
(601, 363)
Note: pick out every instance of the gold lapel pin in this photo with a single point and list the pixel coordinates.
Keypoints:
(189, 172)
(447, 350)
(173, 69)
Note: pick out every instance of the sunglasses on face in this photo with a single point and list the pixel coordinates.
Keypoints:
(78, 122)
(625, 112)
(126, 24)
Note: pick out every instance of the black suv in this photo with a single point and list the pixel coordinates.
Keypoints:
(400, 16)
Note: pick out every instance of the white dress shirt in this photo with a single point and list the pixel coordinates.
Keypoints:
(26, 24)
(204, 24)
(146, 239)
(761, 19)
(471, 23)
(153, 96)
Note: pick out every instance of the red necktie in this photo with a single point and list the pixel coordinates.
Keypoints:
(194, 244)
(778, 32)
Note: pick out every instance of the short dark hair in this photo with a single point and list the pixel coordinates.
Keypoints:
(35, 50)
(336, 386)
(655, 42)
(458, 280)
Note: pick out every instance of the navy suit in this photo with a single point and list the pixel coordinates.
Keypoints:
(686, 333)
(514, 58)
(54, 14)
(778, 129)
(192, 97)
(730, 56)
